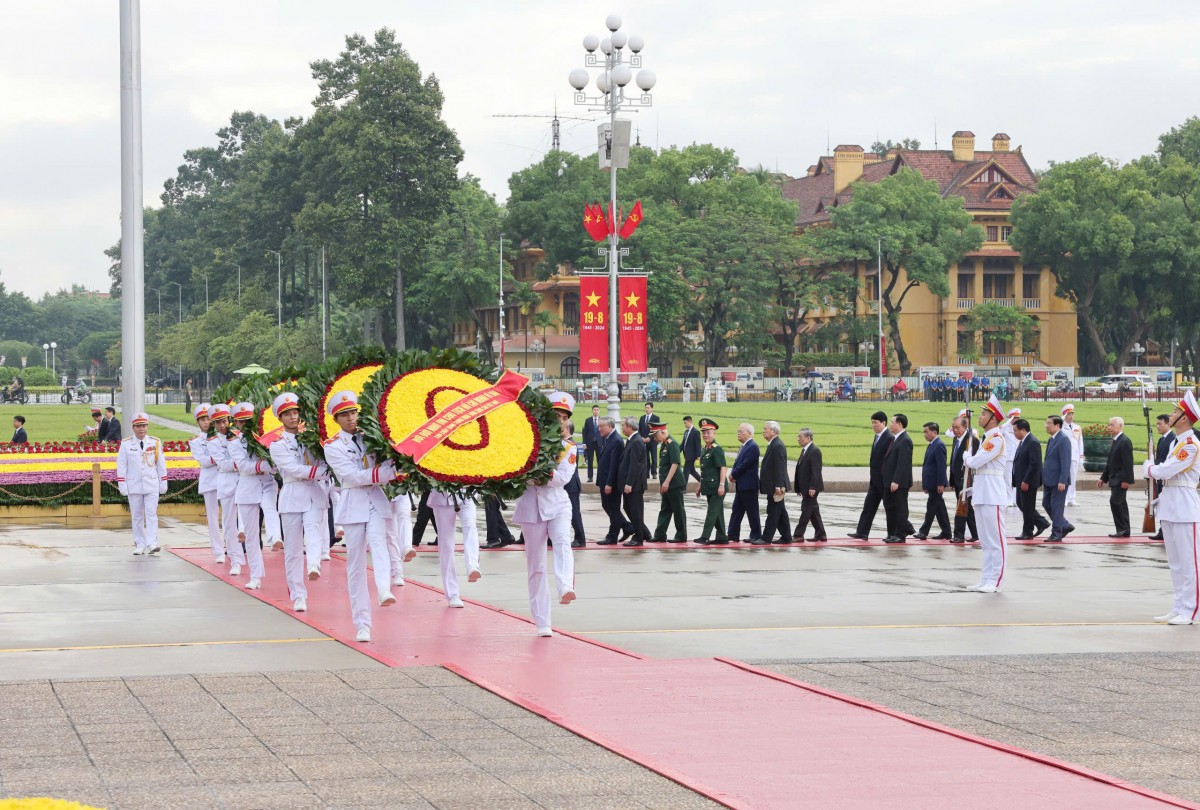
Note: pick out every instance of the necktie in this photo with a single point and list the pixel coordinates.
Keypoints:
(358, 442)
(142, 444)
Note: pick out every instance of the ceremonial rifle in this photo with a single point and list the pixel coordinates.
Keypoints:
(961, 509)
(1148, 516)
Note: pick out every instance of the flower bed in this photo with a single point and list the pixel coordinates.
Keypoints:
(54, 473)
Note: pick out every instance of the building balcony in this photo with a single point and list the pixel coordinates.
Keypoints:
(996, 360)
(1002, 302)
(966, 303)
(1032, 303)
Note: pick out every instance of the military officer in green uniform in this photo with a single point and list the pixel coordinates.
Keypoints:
(671, 483)
(712, 483)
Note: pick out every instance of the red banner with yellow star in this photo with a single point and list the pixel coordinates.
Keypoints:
(635, 320)
(593, 325)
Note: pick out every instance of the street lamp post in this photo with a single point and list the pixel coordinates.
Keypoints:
(45, 354)
(278, 290)
(620, 54)
(53, 360)
(206, 293)
(879, 307)
(157, 290)
(1137, 350)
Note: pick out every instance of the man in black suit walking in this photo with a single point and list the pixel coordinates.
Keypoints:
(897, 478)
(1118, 476)
(808, 485)
(690, 444)
(875, 489)
(591, 438)
(773, 482)
(648, 443)
(1027, 480)
(1166, 437)
(962, 524)
(744, 477)
(933, 484)
(608, 464)
(1058, 469)
(110, 426)
(631, 480)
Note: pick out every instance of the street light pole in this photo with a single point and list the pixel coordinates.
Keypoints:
(278, 290)
(206, 293)
(45, 354)
(324, 299)
(53, 359)
(879, 307)
(616, 71)
(501, 301)
(180, 286)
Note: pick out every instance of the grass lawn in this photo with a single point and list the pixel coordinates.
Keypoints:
(50, 423)
(843, 429)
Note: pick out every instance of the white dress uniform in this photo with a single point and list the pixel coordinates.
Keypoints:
(142, 477)
(1075, 434)
(1179, 515)
(220, 448)
(207, 485)
(362, 510)
(545, 511)
(302, 505)
(399, 537)
(990, 490)
(251, 491)
(447, 508)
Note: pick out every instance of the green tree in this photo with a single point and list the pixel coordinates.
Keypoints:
(882, 147)
(999, 322)
(921, 233)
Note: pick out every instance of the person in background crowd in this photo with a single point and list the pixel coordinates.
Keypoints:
(574, 487)
(773, 482)
(450, 508)
(110, 426)
(498, 534)
(648, 442)
(207, 482)
(608, 464)
(590, 437)
(809, 484)
(689, 445)
(897, 478)
(1118, 476)
(876, 487)
(744, 477)
(1027, 478)
(1163, 449)
(142, 478)
(713, 472)
(1075, 434)
(19, 435)
(963, 444)
(631, 478)
(933, 484)
(1057, 469)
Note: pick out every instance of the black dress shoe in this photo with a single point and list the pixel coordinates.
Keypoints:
(942, 537)
(718, 542)
(1040, 529)
(1120, 534)
(1070, 528)
(958, 539)
(893, 539)
(1156, 536)
(492, 544)
(632, 543)
(760, 542)
(578, 543)
(821, 539)
(856, 536)
(1023, 536)
(921, 536)
(606, 542)
(1054, 538)
(781, 541)
(655, 540)
(677, 540)
(700, 541)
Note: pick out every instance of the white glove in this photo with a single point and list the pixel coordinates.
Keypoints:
(968, 492)
(1146, 465)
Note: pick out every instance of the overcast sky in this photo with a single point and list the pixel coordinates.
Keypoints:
(776, 80)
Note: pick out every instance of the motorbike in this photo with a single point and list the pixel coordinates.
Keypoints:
(21, 397)
(80, 394)
(655, 395)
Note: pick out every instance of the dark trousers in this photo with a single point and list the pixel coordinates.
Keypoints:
(590, 455)
(777, 520)
(671, 506)
(424, 515)
(964, 524)
(617, 524)
(870, 507)
(895, 509)
(689, 471)
(651, 461)
(1055, 502)
(635, 508)
(935, 509)
(810, 510)
(745, 502)
(1120, 509)
(714, 518)
(497, 529)
(576, 516)
(1031, 519)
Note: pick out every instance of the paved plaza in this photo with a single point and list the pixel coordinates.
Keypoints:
(146, 682)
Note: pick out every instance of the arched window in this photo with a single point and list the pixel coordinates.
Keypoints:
(663, 364)
(569, 368)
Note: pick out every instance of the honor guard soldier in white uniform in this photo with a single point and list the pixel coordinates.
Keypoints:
(991, 488)
(220, 449)
(1010, 449)
(1075, 434)
(362, 510)
(544, 511)
(447, 508)
(252, 490)
(142, 477)
(207, 484)
(302, 500)
(1179, 510)
(399, 537)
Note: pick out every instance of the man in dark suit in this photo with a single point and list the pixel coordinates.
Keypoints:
(933, 484)
(608, 463)
(1056, 477)
(1027, 480)
(631, 480)
(690, 445)
(1166, 437)
(808, 485)
(591, 437)
(962, 440)
(875, 488)
(498, 534)
(897, 478)
(773, 482)
(110, 426)
(744, 477)
(1118, 476)
(647, 440)
(19, 436)
(574, 489)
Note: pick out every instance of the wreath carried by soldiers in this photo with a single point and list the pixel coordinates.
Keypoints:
(447, 420)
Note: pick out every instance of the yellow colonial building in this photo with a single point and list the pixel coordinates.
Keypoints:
(933, 328)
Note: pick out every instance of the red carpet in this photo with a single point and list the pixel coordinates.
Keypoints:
(743, 737)
(833, 541)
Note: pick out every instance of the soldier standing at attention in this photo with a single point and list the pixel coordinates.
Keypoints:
(142, 477)
(220, 448)
(671, 484)
(713, 470)
(991, 490)
(251, 491)
(207, 483)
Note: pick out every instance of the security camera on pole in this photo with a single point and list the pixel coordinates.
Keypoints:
(620, 55)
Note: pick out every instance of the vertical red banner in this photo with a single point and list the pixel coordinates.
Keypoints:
(635, 320)
(593, 325)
